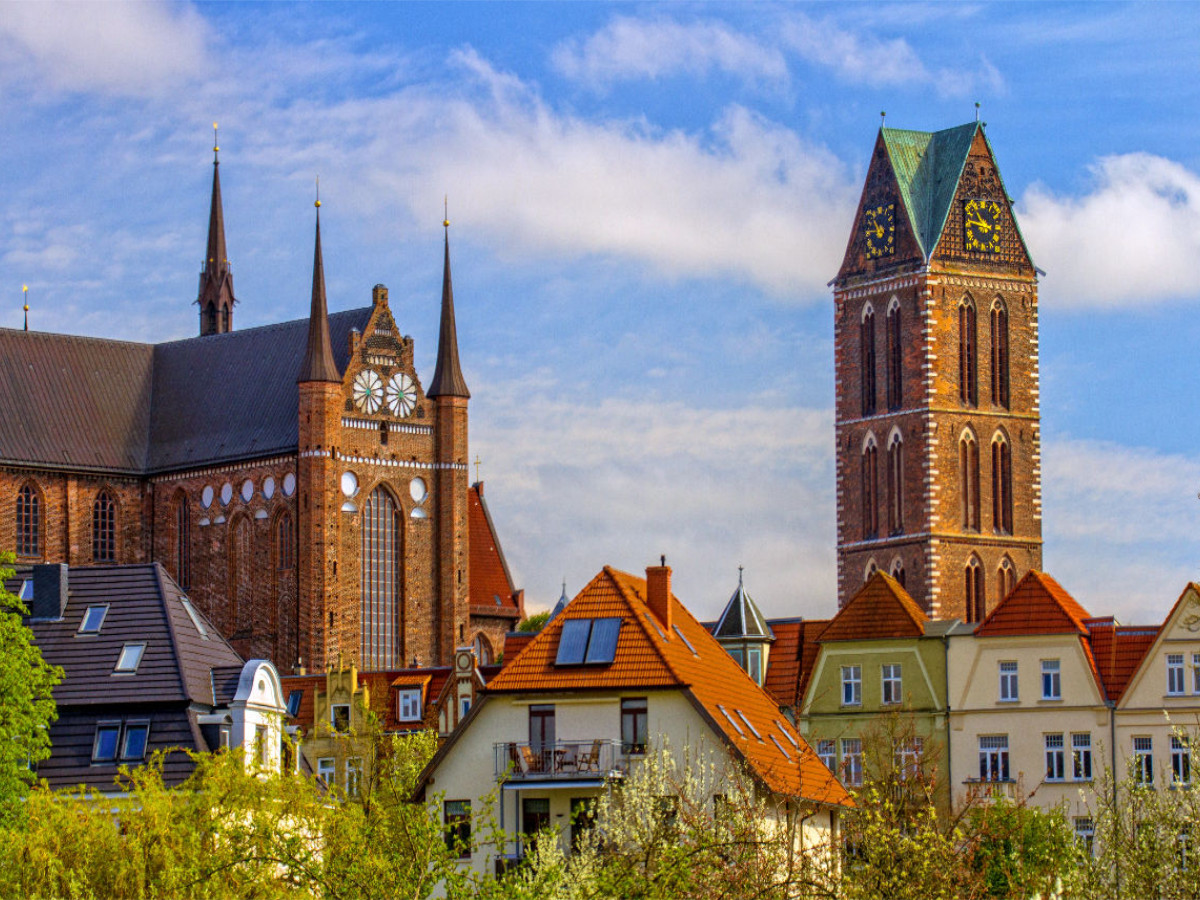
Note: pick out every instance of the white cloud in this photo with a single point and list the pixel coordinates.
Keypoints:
(1134, 239)
(629, 48)
(130, 48)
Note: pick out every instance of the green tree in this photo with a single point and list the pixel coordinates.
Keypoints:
(26, 701)
(534, 623)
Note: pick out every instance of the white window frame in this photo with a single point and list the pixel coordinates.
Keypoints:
(1081, 756)
(1181, 761)
(851, 685)
(994, 763)
(1175, 675)
(1196, 673)
(852, 762)
(131, 656)
(1143, 759)
(1010, 691)
(1056, 757)
(408, 705)
(892, 683)
(327, 770)
(1051, 679)
(354, 773)
(87, 614)
(1085, 833)
(827, 753)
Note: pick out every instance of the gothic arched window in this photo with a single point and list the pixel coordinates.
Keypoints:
(210, 313)
(29, 521)
(870, 570)
(898, 570)
(1006, 578)
(895, 356)
(968, 387)
(241, 610)
(285, 542)
(382, 558)
(183, 542)
(1002, 505)
(867, 360)
(976, 601)
(1000, 354)
(104, 529)
(968, 480)
(870, 481)
(895, 483)
(224, 318)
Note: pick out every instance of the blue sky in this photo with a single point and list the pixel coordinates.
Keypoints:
(648, 201)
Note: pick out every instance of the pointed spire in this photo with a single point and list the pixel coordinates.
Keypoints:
(318, 362)
(216, 281)
(742, 617)
(447, 380)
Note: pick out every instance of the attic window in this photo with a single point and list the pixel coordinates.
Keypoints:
(588, 642)
(93, 618)
(130, 658)
(748, 723)
(108, 734)
(26, 592)
(786, 755)
(731, 720)
(683, 638)
(195, 617)
(339, 717)
(293, 704)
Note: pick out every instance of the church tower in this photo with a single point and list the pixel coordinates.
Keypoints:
(936, 355)
(216, 298)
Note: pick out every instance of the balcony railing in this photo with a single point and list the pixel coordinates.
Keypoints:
(562, 759)
(982, 789)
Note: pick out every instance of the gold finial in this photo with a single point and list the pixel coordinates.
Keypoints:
(216, 145)
(318, 203)
(446, 218)
(25, 297)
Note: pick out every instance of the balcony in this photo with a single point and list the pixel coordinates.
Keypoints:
(980, 790)
(561, 760)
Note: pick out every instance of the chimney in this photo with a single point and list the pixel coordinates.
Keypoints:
(658, 592)
(49, 591)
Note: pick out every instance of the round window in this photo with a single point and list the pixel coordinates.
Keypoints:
(349, 484)
(417, 489)
(289, 484)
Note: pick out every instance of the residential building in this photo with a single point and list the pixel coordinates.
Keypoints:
(144, 671)
(622, 669)
(744, 633)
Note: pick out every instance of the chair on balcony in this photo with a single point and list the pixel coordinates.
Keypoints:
(589, 760)
(529, 761)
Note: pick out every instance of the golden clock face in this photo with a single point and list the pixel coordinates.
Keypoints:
(879, 230)
(981, 224)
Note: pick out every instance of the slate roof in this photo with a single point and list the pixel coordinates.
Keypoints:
(742, 618)
(90, 404)
(882, 608)
(491, 584)
(690, 660)
(1037, 605)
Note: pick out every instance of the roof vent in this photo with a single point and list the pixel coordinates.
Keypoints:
(49, 591)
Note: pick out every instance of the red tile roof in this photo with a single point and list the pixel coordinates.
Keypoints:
(491, 586)
(1118, 650)
(792, 658)
(1037, 605)
(881, 609)
(514, 643)
(648, 656)
(380, 687)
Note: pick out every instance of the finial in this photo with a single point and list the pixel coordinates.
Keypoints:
(739, 576)
(25, 297)
(662, 560)
(216, 145)
(477, 463)
(882, 118)
(446, 211)
(318, 203)
(976, 110)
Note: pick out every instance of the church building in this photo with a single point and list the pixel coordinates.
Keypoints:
(936, 354)
(300, 481)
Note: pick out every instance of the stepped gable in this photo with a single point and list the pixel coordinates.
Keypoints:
(491, 584)
(1118, 650)
(686, 657)
(1037, 605)
(797, 642)
(882, 608)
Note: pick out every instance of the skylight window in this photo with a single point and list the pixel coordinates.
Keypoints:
(293, 703)
(685, 640)
(105, 747)
(130, 658)
(26, 592)
(588, 642)
(731, 720)
(195, 617)
(93, 618)
(748, 724)
(787, 734)
(786, 755)
(134, 745)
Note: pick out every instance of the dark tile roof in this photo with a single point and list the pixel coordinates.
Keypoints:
(122, 407)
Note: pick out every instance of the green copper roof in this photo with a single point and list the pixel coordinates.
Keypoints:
(927, 167)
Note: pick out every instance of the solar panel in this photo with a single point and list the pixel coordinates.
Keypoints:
(573, 642)
(602, 648)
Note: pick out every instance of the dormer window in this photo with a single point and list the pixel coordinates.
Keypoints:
(93, 618)
(339, 717)
(588, 641)
(410, 705)
(130, 658)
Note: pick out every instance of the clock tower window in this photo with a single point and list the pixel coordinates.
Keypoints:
(968, 387)
(870, 481)
(867, 346)
(968, 480)
(1000, 354)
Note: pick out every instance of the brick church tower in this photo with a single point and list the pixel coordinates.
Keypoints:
(936, 355)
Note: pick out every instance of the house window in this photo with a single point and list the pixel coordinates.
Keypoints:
(93, 619)
(130, 658)
(104, 529)
(456, 816)
(895, 357)
(968, 481)
(327, 770)
(339, 717)
(1008, 683)
(870, 480)
(1002, 501)
(1051, 680)
(895, 481)
(1081, 756)
(1085, 833)
(827, 753)
(968, 387)
(293, 703)
(1196, 673)
(28, 522)
(1175, 673)
(974, 590)
(852, 763)
(867, 346)
(354, 771)
(633, 725)
(535, 818)
(1056, 768)
(382, 557)
(907, 756)
(410, 705)
(1143, 760)
(285, 543)
(1181, 760)
(754, 664)
(464, 707)
(999, 354)
(261, 747)
(134, 745)
(993, 757)
(104, 748)
(851, 685)
(891, 683)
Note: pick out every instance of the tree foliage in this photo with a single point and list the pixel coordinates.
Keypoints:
(534, 623)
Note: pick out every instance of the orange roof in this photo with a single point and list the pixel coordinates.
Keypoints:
(1118, 651)
(792, 658)
(380, 688)
(491, 584)
(514, 643)
(687, 658)
(882, 608)
(1037, 605)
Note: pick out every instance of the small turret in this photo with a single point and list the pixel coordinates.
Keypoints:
(744, 633)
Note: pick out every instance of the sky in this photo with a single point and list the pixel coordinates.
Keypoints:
(647, 203)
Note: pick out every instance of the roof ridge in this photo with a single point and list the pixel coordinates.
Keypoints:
(639, 616)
